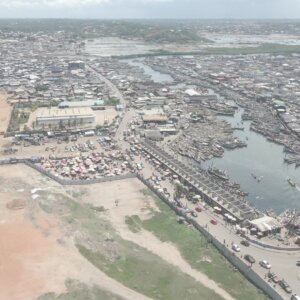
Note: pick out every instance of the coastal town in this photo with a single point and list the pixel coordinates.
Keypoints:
(79, 117)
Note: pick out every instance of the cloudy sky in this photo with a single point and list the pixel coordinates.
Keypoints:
(150, 8)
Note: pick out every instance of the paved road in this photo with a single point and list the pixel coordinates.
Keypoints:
(110, 84)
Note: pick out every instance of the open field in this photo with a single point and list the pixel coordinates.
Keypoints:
(105, 117)
(53, 220)
(266, 48)
(5, 111)
(80, 291)
(195, 249)
(84, 241)
(131, 266)
(38, 254)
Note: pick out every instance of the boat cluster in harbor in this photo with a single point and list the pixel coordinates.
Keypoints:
(266, 86)
(206, 138)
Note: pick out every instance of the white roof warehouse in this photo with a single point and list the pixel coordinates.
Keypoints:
(66, 116)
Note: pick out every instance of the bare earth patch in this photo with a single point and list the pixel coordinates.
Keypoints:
(133, 202)
(5, 111)
(37, 251)
(33, 258)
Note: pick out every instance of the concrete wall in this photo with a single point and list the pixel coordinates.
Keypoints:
(236, 261)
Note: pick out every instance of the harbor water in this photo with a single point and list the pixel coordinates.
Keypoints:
(261, 159)
(264, 160)
(154, 75)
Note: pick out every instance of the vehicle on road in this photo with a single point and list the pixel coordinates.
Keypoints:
(198, 209)
(298, 263)
(285, 286)
(265, 264)
(273, 276)
(245, 243)
(295, 297)
(194, 214)
(249, 258)
(236, 247)
(213, 221)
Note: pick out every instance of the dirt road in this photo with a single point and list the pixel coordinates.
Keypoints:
(133, 202)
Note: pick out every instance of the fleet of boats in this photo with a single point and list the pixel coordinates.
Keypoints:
(257, 178)
(218, 173)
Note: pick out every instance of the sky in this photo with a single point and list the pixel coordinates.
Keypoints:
(154, 9)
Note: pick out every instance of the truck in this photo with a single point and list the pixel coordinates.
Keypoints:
(89, 133)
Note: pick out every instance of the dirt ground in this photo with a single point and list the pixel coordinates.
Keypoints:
(5, 111)
(105, 116)
(33, 261)
(131, 201)
(37, 251)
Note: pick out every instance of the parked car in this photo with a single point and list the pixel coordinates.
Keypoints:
(213, 221)
(245, 243)
(265, 264)
(236, 247)
(273, 276)
(298, 263)
(194, 214)
(198, 209)
(285, 286)
(249, 258)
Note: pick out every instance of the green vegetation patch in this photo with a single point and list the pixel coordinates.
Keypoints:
(112, 102)
(261, 49)
(198, 252)
(124, 261)
(134, 223)
(266, 48)
(128, 263)
(80, 291)
(148, 274)
(17, 118)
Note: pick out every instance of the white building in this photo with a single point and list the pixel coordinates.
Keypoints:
(67, 116)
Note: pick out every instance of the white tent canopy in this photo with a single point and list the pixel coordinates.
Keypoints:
(265, 223)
